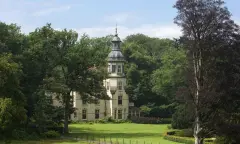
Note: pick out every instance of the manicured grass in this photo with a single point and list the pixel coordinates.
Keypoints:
(127, 133)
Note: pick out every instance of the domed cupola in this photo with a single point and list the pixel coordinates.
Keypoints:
(116, 54)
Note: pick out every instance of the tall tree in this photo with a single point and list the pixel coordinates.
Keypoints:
(12, 101)
(143, 55)
(74, 71)
(207, 31)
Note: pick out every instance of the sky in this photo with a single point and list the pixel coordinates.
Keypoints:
(99, 17)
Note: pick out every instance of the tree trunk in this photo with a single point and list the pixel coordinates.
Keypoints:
(66, 114)
(197, 77)
(197, 130)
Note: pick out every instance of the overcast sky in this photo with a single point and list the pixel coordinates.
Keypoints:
(99, 17)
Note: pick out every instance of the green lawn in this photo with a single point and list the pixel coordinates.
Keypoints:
(129, 133)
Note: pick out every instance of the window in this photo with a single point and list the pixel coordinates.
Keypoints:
(119, 100)
(119, 114)
(119, 85)
(113, 68)
(119, 69)
(84, 114)
(97, 114)
(115, 114)
(107, 86)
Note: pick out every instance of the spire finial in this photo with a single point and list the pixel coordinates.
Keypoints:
(116, 30)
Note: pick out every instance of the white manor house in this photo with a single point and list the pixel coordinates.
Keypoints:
(118, 107)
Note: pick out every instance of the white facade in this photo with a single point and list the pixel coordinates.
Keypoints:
(118, 105)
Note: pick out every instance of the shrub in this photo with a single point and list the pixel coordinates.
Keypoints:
(182, 118)
(145, 110)
(19, 134)
(184, 133)
(169, 126)
(58, 129)
(163, 111)
(51, 134)
(179, 139)
(172, 136)
(151, 120)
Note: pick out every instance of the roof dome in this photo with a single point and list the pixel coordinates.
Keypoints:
(115, 56)
(116, 39)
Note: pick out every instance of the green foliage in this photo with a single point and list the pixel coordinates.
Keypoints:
(45, 114)
(51, 134)
(143, 55)
(21, 134)
(179, 139)
(223, 140)
(103, 121)
(163, 111)
(145, 110)
(182, 118)
(185, 140)
(150, 120)
(211, 38)
(184, 133)
(12, 115)
(170, 75)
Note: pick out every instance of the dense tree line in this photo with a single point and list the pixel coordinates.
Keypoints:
(45, 62)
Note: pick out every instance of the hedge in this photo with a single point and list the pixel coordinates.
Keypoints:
(185, 140)
(151, 120)
(172, 136)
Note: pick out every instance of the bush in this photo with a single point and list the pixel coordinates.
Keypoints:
(145, 110)
(179, 139)
(58, 129)
(182, 118)
(103, 121)
(151, 120)
(21, 134)
(163, 111)
(184, 133)
(223, 140)
(51, 134)
(173, 136)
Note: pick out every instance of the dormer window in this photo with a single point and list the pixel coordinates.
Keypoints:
(119, 69)
(113, 68)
